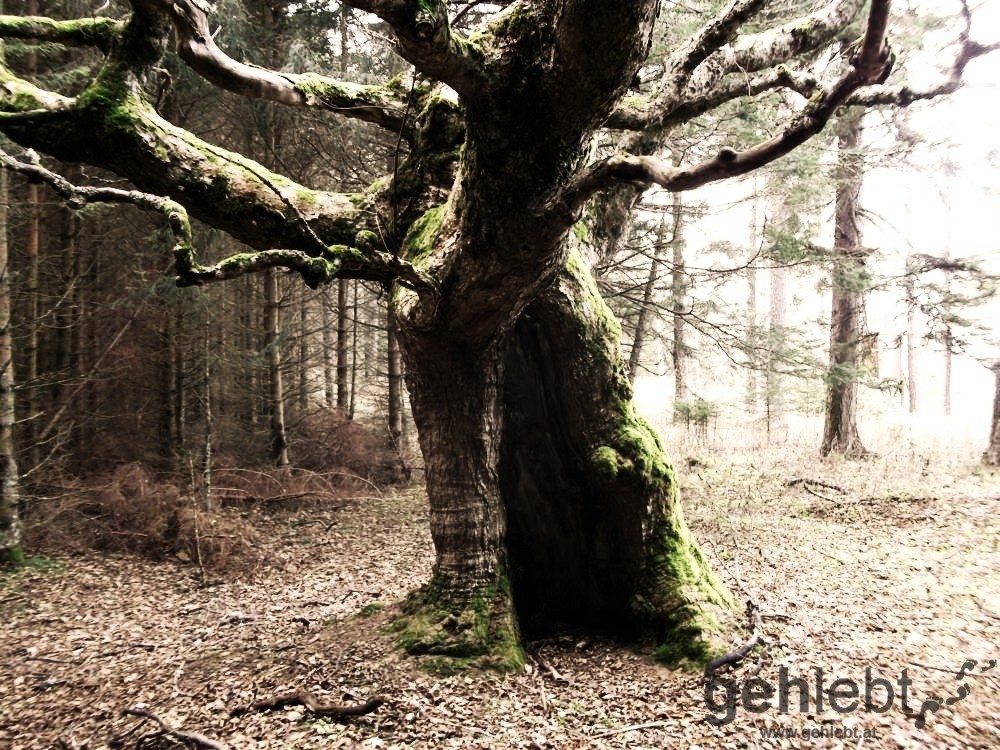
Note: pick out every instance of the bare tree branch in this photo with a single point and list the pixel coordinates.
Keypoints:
(968, 50)
(871, 64)
(688, 93)
(192, 738)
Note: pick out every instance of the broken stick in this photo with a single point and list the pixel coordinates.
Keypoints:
(191, 737)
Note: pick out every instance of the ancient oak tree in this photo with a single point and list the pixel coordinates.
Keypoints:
(552, 502)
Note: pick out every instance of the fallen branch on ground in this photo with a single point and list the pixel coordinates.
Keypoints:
(630, 728)
(307, 699)
(806, 483)
(191, 737)
(546, 665)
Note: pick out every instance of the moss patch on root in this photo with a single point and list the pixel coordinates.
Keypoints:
(451, 634)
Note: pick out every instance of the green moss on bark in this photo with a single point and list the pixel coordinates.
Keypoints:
(479, 632)
(12, 557)
(421, 238)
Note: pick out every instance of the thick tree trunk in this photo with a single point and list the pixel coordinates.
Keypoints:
(850, 285)
(549, 496)
(466, 610)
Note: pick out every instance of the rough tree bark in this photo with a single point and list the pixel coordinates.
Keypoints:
(11, 551)
(850, 281)
(510, 354)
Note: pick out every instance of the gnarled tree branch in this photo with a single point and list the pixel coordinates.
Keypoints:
(380, 105)
(89, 32)
(426, 39)
(870, 65)
(686, 94)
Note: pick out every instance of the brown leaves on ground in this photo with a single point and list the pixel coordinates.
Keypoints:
(848, 581)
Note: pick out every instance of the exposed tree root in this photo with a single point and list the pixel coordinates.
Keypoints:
(193, 738)
(738, 655)
(307, 699)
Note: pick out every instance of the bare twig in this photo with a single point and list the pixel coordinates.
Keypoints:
(806, 483)
(194, 738)
(630, 728)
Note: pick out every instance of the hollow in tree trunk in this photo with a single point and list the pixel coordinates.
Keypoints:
(553, 505)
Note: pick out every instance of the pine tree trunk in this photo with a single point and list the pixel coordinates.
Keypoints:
(992, 455)
(11, 551)
(642, 319)
(343, 345)
(774, 396)
(395, 390)
(276, 387)
(911, 342)
(678, 293)
(850, 285)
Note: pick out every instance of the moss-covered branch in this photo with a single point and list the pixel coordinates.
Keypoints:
(382, 105)
(427, 40)
(84, 32)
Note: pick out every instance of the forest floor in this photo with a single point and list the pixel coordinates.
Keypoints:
(863, 572)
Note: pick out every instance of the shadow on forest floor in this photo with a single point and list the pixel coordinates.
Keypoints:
(858, 579)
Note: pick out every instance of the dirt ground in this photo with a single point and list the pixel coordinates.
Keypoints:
(858, 578)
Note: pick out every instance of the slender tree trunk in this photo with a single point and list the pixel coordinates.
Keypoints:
(850, 286)
(395, 396)
(642, 319)
(276, 389)
(912, 388)
(11, 551)
(303, 365)
(352, 401)
(751, 392)
(343, 345)
(32, 244)
(329, 353)
(948, 365)
(210, 501)
(678, 294)
(777, 322)
(991, 457)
